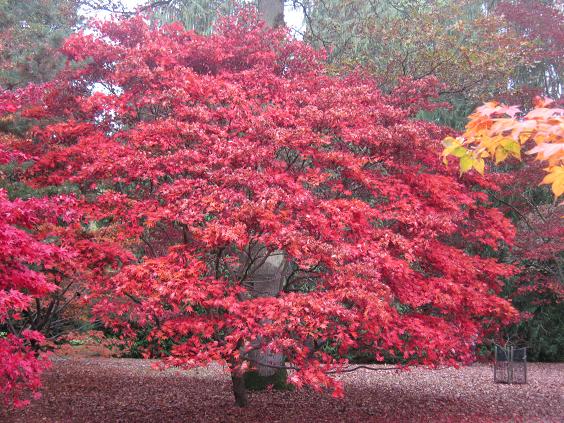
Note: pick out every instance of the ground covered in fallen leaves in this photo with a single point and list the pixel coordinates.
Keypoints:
(127, 390)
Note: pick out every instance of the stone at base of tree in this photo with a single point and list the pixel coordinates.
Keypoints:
(279, 381)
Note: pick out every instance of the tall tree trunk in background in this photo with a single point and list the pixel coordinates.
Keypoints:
(272, 11)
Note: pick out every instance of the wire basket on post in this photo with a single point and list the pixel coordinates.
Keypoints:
(510, 365)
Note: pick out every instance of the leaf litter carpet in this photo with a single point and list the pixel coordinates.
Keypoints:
(100, 390)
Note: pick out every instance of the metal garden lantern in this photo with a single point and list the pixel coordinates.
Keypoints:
(510, 365)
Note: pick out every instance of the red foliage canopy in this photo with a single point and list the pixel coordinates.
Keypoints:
(203, 156)
(540, 21)
(23, 260)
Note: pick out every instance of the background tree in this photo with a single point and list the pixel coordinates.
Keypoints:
(196, 15)
(30, 263)
(199, 16)
(458, 42)
(496, 132)
(501, 133)
(480, 50)
(541, 23)
(46, 254)
(31, 33)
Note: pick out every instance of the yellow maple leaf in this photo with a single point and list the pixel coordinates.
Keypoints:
(555, 177)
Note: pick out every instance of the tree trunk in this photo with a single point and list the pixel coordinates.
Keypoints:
(263, 273)
(239, 390)
(272, 12)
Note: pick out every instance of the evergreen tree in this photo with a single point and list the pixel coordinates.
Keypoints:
(31, 31)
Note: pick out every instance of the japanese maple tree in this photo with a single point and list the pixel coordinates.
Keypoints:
(46, 253)
(541, 24)
(22, 257)
(223, 163)
(499, 134)
(496, 131)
